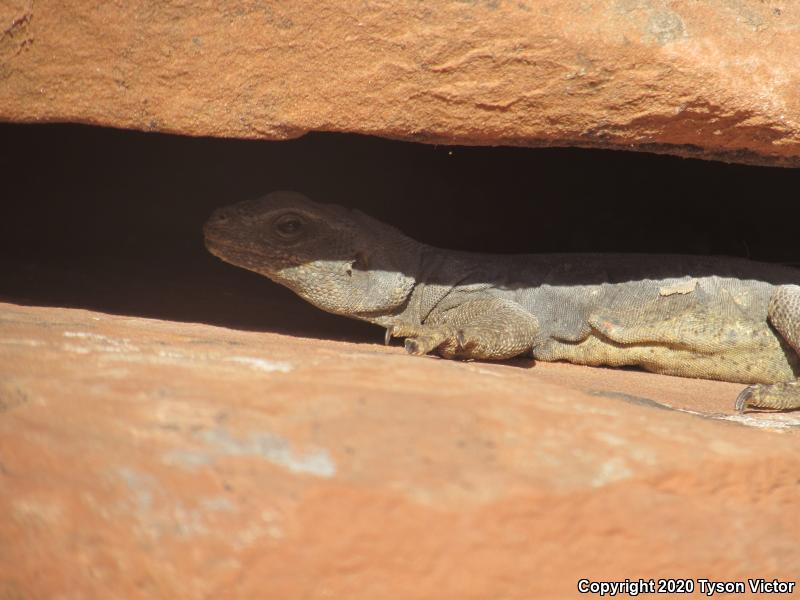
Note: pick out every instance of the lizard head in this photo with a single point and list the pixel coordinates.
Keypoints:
(338, 259)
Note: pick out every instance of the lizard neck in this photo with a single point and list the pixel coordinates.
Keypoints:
(438, 272)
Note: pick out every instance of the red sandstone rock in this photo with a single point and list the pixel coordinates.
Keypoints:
(715, 79)
(150, 459)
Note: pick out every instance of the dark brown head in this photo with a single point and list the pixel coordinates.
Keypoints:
(336, 258)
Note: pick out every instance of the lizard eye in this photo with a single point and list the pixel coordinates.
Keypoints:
(289, 226)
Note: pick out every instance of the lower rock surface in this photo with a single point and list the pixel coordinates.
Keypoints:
(152, 459)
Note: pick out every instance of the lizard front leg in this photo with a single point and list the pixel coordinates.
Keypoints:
(483, 329)
(784, 314)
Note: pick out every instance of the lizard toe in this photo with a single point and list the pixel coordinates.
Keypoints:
(412, 346)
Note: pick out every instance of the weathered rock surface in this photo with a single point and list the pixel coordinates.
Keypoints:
(715, 79)
(149, 459)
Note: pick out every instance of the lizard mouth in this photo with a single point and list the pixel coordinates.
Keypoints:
(238, 256)
(211, 241)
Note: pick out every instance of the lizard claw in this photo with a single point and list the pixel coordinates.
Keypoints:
(743, 397)
(461, 339)
(388, 336)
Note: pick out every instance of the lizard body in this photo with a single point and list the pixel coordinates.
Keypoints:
(693, 316)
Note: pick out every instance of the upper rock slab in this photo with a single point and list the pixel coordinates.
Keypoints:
(718, 79)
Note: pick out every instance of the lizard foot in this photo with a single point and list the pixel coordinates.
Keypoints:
(485, 329)
(778, 396)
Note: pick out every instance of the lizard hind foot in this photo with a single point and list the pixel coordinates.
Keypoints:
(776, 396)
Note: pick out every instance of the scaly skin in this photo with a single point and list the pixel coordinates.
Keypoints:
(693, 316)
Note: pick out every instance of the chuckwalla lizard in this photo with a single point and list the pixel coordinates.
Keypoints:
(719, 318)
